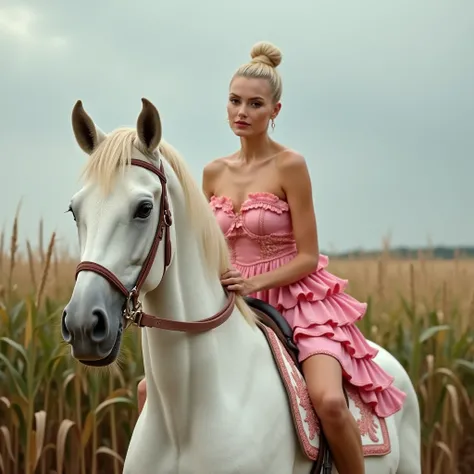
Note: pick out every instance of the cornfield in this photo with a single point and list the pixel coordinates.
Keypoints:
(56, 416)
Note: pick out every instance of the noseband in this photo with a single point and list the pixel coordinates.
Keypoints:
(132, 311)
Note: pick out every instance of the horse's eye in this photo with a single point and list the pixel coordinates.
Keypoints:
(143, 210)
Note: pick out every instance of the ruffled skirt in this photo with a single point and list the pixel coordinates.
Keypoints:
(322, 317)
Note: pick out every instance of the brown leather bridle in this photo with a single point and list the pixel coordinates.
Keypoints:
(132, 311)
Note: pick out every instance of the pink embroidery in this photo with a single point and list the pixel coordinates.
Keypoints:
(368, 427)
(311, 420)
(297, 390)
(366, 421)
(310, 451)
(231, 246)
(272, 247)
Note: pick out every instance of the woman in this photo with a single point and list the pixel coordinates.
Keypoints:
(262, 198)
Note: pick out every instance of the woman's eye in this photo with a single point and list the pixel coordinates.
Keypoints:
(143, 210)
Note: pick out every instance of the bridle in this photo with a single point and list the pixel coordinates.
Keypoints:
(132, 311)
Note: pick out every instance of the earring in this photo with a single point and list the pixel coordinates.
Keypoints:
(273, 124)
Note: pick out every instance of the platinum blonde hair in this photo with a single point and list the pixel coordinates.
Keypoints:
(265, 58)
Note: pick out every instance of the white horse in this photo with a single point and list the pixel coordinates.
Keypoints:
(224, 396)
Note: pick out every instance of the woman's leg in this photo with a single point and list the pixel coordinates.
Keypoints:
(323, 376)
(141, 394)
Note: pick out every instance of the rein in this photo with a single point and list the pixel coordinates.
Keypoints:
(132, 311)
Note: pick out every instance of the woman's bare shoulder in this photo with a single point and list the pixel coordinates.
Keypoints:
(212, 173)
(290, 159)
(218, 164)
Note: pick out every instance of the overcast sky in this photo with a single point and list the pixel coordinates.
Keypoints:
(378, 96)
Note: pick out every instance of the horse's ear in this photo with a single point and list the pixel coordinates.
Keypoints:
(149, 126)
(88, 136)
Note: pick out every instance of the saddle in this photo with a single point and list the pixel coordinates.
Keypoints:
(273, 319)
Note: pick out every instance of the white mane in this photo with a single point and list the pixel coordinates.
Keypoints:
(113, 156)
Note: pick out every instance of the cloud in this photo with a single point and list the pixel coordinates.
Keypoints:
(17, 22)
(377, 95)
(25, 27)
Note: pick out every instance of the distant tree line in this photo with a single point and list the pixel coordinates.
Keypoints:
(446, 253)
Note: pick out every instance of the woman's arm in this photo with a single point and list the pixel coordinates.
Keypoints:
(296, 184)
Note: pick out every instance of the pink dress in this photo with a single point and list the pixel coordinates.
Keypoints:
(322, 316)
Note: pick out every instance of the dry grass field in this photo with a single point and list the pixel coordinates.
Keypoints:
(58, 417)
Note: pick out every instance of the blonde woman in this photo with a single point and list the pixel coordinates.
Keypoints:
(262, 198)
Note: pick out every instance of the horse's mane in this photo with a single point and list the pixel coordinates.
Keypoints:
(114, 155)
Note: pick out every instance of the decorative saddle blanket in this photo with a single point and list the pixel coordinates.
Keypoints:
(374, 432)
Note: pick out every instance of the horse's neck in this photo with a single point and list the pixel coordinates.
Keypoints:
(186, 373)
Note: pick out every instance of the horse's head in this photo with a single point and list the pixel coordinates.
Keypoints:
(124, 228)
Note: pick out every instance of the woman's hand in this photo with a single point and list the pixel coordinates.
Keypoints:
(233, 281)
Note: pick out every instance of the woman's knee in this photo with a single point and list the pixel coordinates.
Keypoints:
(331, 407)
(324, 380)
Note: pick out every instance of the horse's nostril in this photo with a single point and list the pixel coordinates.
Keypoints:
(99, 326)
(67, 336)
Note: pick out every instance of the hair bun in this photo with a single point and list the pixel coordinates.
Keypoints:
(266, 53)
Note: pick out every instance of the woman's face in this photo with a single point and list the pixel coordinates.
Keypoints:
(250, 106)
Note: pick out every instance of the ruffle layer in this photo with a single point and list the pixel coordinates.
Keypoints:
(260, 200)
(349, 336)
(322, 317)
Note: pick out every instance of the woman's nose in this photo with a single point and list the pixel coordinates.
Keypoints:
(242, 110)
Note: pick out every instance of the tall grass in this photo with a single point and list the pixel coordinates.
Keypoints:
(56, 416)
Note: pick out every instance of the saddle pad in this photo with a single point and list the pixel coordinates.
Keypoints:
(374, 432)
